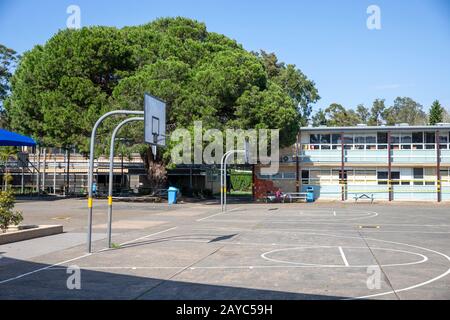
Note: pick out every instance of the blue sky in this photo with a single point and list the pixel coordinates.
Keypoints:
(328, 40)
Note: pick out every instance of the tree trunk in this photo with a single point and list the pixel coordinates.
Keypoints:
(156, 170)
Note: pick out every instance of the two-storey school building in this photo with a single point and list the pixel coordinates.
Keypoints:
(400, 162)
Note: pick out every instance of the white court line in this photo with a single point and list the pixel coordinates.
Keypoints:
(74, 259)
(343, 256)
(145, 237)
(216, 214)
(44, 268)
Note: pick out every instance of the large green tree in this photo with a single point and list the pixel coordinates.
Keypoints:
(436, 114)
(363, 113)
(405, 110)
(302, 90)
(338, 116)
(376, 113)
(61, 88)
(8, 59)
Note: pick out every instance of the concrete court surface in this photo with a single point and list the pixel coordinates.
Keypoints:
(323, 250)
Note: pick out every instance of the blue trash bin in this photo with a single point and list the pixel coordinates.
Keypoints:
(172, 195)
(310, 194)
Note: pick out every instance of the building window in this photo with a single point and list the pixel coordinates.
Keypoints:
(325, 138)
(305, 176)
(289, 175)
(314, 138)
(371, 139)
(395, 138)
(418, 176)
(406, 138)
(417, 137)
(382, 177)
(430, 140)
(382, 137)
(348, 139)
(360, 139)
(336, 139)
(395, 177)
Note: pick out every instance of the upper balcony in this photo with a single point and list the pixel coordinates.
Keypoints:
(374, 156)
(363, 146)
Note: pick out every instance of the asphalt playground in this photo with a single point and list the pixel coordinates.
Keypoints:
(327, 250)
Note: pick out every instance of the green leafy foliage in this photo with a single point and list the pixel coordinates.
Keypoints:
(7, 215)
(241, 181)
(404, 110)
(62, 87)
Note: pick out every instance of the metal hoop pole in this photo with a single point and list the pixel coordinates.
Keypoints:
(111, 172)
(91, 168)
(227, 155)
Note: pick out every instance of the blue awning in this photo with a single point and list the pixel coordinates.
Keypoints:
(8, 138)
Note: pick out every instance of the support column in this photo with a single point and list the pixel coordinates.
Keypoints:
(38, 175)
(44, 171)
(342, 176)
(68, 172)
(438, 168)
(297, 163)
(253, 183)
(389, 166)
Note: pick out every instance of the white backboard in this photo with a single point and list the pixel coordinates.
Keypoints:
(154, 120)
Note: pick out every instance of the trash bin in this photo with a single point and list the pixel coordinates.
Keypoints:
(310, 194)
(172, 195)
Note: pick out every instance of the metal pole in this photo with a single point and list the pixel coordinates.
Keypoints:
(22, 181)
(222, 179)
(38, 173)
(54, 175)
(68, 172)
(111, 172)
(44, 170)
(226, 156)
(91, 168)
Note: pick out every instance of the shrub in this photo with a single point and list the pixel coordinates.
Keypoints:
(7, 215)
(241, 181)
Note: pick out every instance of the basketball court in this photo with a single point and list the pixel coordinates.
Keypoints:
(253, 251)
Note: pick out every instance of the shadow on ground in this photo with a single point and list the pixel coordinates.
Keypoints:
(50, 283)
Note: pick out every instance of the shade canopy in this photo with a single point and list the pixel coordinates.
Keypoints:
(8, 138)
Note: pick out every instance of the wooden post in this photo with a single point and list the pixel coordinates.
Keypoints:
(389, 166)
(438, 167)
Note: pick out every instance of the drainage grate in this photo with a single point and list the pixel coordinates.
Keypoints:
(272, 209)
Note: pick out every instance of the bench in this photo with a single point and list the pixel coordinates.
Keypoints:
(295, 196)
(363, 196)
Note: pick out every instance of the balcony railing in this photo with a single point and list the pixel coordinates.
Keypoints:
(375, 156)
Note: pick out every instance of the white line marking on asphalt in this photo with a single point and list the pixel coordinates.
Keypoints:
(74, 259)
(147, 236)
(343, 256)
(334, 213)
(216, 214)
(44, 268)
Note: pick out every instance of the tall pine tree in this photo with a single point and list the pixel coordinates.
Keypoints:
(436, 113)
